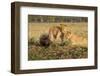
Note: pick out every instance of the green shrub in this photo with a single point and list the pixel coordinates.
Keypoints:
(66, 43)
(31, 41)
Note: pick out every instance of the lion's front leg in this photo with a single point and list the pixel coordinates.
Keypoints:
(62, 37)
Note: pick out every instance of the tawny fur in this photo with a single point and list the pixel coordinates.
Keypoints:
(57, 32)
(75, 39)
(61, 33)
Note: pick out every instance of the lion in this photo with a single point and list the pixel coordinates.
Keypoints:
(75, 39)
(57, 32)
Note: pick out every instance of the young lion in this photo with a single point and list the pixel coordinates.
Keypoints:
(75, 39)
(57, 32)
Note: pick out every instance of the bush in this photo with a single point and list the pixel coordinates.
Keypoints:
(66, 43)
(31, 41)
(44, 40)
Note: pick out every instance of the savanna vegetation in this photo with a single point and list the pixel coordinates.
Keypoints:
(40, 47)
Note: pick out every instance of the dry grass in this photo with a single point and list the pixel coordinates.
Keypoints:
(36, 29)
(55, 51)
